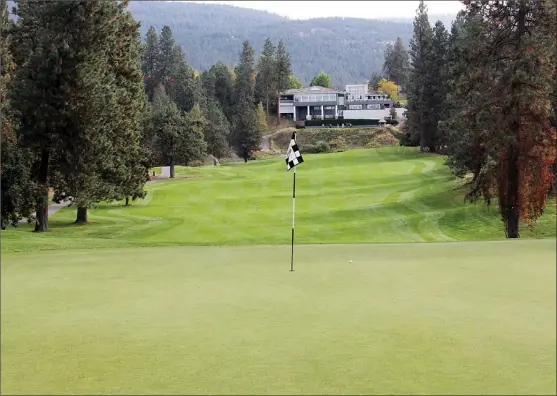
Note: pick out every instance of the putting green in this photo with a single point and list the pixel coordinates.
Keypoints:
(441, 318)
(390, 195)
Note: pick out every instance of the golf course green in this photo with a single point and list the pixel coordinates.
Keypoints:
(399, 287)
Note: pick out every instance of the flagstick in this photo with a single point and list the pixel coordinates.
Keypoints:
(293, 214)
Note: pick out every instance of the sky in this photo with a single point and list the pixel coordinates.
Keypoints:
(348, 9)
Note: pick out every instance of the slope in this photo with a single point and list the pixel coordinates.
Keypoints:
(389, 195)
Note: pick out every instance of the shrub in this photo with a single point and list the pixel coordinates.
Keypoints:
(338, 144)
(319, 147)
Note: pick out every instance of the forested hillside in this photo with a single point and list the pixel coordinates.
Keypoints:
(349, 50)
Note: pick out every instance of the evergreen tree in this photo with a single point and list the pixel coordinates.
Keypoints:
(218, 84)
(262, 119)
(98, 90)
(246, 132)
(521, 139)
(169, 58)
(149, 58)
(420, 91)
(216, 130)
(129, 167)
(438, 62)
(283, 71)
(167, 126)
(396, 63)
(15, 162)
(266, 73)
(36, 84)
(186, 87)
(373, 84)
(192, 144)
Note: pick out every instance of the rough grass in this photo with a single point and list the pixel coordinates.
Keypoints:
(463, 318)
(365, 196)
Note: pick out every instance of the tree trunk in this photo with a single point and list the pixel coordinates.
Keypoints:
(267, 105)
(127, 201)
(172, 168)
(81, 215)
(512, 205)
(554, 182)
(42, 214)
(42, 201)
(278, 108)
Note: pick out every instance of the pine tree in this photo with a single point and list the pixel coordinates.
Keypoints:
(149, 58)
(217, 130)
(34, 75)
(218, 84)
(420, 90)
(262, 119)
(373, 84)
(396, 63)
(438, 62)
(508, 53)
(186, 87)
(92, 122)
(266, 73)
(192, 143)
(168, 60)
(166, 126)
(15, 162)
(283, 70)
(129, 167)
(246, 132)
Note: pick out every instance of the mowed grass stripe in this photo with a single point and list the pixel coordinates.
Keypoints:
(388, 195)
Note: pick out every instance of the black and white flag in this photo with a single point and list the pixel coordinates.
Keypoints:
(293, 155)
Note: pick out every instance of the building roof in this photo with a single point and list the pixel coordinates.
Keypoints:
(312, 90)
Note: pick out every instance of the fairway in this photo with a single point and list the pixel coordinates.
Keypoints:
(389, 195)
(453, 318)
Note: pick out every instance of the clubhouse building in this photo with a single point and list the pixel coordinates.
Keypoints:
(319, 103)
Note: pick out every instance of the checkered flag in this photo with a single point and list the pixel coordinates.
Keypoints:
(293, 155)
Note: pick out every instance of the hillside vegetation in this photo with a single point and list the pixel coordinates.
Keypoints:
(348, 49)
(364, 196)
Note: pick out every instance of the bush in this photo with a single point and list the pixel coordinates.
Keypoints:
(319, 147)
(337, 139)
(338, 144)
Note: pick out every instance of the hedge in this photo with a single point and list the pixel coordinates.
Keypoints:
(337, 122)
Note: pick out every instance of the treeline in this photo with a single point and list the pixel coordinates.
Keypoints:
(88, 109)
(485, 94)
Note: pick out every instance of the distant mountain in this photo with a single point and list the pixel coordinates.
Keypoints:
(348, 49)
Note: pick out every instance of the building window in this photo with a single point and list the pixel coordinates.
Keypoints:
(355, 107)
(374, 106)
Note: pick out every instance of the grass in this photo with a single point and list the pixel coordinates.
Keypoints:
(153, 311)
(447, 318)
(389, 195)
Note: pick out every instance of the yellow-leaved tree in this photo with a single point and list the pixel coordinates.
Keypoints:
(390, 88)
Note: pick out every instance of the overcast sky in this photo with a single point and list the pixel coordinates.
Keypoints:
(351, 9)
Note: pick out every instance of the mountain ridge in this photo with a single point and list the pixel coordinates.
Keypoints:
(348, 49)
